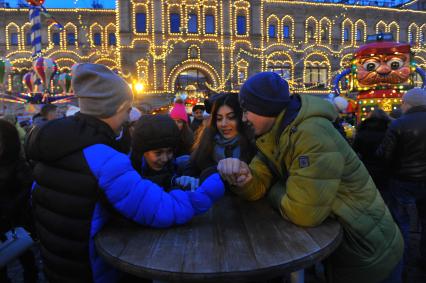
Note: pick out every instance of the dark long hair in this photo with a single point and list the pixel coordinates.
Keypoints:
(10, 146)
(204, 142)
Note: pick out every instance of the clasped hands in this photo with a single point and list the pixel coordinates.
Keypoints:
(234, 171)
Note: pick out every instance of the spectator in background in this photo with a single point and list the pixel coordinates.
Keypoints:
(15, 186)
(21, 131)
(47, 113)
(81, 179)
(197, 113)
(369, 135)
(404, 149)
(179, 115)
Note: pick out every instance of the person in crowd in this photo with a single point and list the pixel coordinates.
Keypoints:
(81, 179)
(14, 121)
(225, 135)
(15, 186)
(340, 104)
(47, 113)
(197, 113)
(369, 135)
(404, 149)
(155, 138)
(310, 173)
(395, 113)
(179, 115)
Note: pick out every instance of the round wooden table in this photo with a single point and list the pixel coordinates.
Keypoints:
(235, 241)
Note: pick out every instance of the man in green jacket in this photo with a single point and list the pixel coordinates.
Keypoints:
(310, 173)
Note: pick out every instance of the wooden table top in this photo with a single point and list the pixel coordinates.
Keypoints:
(235, 241)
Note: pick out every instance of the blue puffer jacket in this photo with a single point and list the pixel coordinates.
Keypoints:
(141, 200)
(79, 181)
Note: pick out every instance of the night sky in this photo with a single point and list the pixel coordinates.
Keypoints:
(109, 4)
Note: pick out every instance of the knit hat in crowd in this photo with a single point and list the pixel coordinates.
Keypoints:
(340, 103)
(101, 92)
(198, 107)
(153, 132)
(415, 97)
(265, 94)
(179, 112)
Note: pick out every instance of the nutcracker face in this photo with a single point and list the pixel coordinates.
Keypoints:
(383, 70)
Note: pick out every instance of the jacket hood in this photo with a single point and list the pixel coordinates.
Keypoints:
(59, 138)
(315, 107)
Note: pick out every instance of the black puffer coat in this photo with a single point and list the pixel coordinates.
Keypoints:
(369, 135)
(404, 146)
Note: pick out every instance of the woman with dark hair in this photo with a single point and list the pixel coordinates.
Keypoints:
(369, 136)
(15, 185)
(179, 115)
(225, 135)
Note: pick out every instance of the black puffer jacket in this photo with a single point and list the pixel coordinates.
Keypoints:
(369, 135)
(66, 193)
(404, 146)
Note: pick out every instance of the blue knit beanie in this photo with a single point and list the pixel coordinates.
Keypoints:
(265, 94)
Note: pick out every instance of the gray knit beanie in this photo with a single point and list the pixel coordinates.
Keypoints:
(101, 93)
(415, 97)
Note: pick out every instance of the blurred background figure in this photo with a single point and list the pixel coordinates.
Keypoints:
(197, 115)
(15, 186)
(369, 135)
(47, 113)
(178, 114)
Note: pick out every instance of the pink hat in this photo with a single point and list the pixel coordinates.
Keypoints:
(179, 112)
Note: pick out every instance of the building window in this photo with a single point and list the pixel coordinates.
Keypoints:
(241, 77)
(346, 34)
(310, 32)
(359, 34)
(14, 38)
(192, 23)
(316, 75)
(70, 38)
(56, 38)
(210, 24)
(174, 23)
(28, 38)
(112, 40)
(140, 22)
(283, 71)
(272, 31)
(241, 25)
(286, 31)
(97, 39)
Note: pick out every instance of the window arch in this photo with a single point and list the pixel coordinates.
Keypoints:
(381, 27)
(193, 19)
(110, 35)
(311, 29)
(142, 70)
(26, 36)
(316, 71)
(96, 35)
(273, 33)
(422, 35)
(413, 31)
(287, 23)
(242, 69)
(210, 20)
(174, 19)
(141, 18)
(70, 36)
(360, 31)
(12, 35)
(325, 31)
(347, 32)
(242, 18)
(393, 28)
(194, 52)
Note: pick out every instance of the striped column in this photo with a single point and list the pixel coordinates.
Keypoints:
(35, 29)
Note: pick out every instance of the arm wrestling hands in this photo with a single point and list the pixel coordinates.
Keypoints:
(234, 171)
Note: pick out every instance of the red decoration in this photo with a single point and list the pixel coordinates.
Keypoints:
(382, 48)
(35, 2)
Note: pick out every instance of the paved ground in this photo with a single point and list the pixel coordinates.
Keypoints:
(415, 274)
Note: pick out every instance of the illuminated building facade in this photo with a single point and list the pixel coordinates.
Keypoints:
(214, 45)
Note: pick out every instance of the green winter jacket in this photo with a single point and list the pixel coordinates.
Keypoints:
(327, 179)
